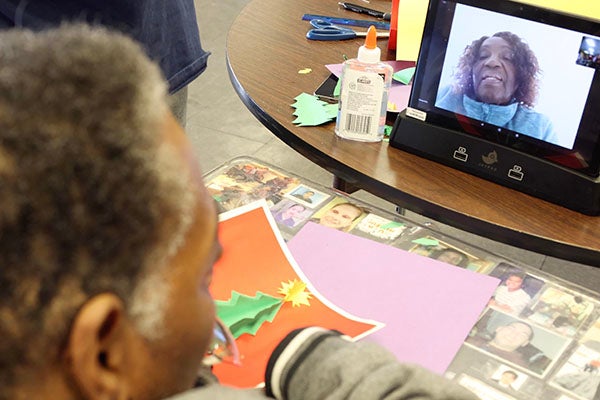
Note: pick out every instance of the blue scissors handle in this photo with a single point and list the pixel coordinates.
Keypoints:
(327, 31)
(329, 34)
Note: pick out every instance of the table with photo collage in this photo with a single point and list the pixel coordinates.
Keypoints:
(539, 337)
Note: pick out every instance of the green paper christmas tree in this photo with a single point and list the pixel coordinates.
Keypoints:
(246, 314)
(310, 111)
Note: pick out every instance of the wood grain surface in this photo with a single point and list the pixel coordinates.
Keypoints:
(267, 47)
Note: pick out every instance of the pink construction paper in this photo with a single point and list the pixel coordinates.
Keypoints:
(428, 306)
(399, 92)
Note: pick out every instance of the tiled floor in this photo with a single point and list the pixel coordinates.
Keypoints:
(222, 128)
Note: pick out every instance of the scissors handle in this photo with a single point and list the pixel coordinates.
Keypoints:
(324, 30)
(321, 24)
(330, 34)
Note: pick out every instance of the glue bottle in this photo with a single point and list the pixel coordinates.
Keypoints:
(364, 88)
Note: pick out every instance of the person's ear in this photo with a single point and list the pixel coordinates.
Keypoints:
(96, 350)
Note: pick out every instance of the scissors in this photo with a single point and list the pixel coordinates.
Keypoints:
(324, 30)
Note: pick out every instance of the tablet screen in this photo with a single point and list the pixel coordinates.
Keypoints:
(513, 74)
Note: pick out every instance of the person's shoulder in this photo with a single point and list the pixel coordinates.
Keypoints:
(215, 391)
(533, 117)
(446, 95)
(532, 114)
(533, 123)
(448, 99)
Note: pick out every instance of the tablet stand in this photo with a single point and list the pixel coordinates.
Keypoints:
(497, 163)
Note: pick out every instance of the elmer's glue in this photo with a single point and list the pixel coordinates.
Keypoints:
(364, 88)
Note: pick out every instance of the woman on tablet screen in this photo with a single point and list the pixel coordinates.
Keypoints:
(496, 81)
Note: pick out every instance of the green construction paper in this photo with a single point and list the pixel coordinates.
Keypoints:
(245, 314)
(392, 224)
(387, 130)
(310, 111)
(337, 88)
(331, 110)
(426, 242)
(404, 75)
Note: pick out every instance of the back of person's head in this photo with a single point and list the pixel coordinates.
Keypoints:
(90, 203)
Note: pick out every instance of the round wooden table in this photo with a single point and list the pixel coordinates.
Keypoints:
(266, 49)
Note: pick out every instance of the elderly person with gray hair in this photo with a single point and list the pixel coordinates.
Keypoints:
(496, 81)
(108, 238)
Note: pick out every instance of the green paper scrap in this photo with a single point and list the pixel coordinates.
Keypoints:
(404, 75)
(310, 111)
(392, 225)
(426, 242)
(337, 88)
(387, 130)
(246, 314)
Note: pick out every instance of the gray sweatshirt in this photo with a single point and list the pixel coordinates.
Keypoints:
(314, 363)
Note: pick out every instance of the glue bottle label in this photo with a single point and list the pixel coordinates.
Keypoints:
(361, 103)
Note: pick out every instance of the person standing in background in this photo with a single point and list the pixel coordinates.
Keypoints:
(167, 30)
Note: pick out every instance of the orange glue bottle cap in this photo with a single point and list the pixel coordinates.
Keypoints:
(369, 52)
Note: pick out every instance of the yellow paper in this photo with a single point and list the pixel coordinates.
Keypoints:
(587, 8)
(411, 20)
(412, 13)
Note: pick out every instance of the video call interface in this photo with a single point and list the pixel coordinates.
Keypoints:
(503, 76)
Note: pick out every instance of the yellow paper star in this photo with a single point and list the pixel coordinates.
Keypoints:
(294, 292)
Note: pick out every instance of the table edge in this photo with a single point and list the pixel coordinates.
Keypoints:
(438, 213)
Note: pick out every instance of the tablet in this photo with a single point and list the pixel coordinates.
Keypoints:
(515, 75)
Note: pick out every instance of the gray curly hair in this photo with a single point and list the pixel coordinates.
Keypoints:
(90, 201)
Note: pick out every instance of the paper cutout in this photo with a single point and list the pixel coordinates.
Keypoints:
(245, 314)
(428, 306)
(310, 111)
(392, 224)
(387, 132)
(404, 75)
(410, 24)
(426, 242)
(337, 89)
(295, 292)
(399, 93)
(586, 8)
(305, 71)
(256, 259)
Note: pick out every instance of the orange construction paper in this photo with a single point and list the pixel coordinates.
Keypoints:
(255, 260)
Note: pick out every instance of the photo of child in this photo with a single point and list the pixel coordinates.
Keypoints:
(339, 214)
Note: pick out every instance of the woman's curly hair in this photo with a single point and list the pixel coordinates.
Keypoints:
(526, 66)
